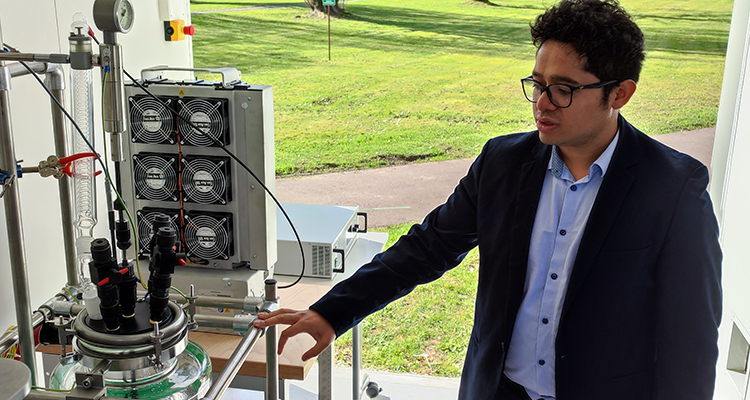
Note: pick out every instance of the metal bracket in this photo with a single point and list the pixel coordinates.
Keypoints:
(229, 76)
(156, 337)
(88, 387)
(62, 324)
(192, 325)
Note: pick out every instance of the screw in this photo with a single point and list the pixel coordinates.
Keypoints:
(88, 382)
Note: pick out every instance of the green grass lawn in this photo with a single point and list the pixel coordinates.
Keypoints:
(426, 80)
(425, 332)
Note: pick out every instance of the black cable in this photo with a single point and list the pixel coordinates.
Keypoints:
(235, 158)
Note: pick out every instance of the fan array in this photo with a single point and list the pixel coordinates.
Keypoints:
(169, 178)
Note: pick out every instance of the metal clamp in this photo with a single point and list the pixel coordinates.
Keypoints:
(57, 167)
(88, 387)
(63, 332)
(191, 325)
(156, 337)
(7, 182)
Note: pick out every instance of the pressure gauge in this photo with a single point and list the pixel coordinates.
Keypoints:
(113, 15)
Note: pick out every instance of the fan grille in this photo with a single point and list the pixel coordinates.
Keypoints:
(150, 121)
(209, 115)
(155, 176)
(208, 236)
(321, 260)
(205, 180)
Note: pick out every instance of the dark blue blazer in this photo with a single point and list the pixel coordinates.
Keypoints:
(641, 315)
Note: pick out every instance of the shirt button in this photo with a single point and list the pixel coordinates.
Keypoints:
(545, 321)
(563, 232)
(553, 276)
(574, 188)
(541, 362)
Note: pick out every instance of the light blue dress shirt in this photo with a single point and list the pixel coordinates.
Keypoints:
(564, 208)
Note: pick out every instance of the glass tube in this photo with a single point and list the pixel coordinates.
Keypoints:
(84, 188)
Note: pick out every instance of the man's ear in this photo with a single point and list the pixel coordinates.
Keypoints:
(622, 93)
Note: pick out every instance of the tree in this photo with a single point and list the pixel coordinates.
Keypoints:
(317, 5)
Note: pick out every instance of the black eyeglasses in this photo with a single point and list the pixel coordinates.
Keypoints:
(559, 94)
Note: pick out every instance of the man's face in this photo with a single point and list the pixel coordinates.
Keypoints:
(587, 125)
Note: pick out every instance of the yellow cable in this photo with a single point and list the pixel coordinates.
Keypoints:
(179, 292)
(53, 390)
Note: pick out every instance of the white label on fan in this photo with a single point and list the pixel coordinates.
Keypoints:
(203, 181)
(151, 121)
(155, 178)
(206, 237)
(201, 120)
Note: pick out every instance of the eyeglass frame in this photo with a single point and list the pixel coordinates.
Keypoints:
(571, 87)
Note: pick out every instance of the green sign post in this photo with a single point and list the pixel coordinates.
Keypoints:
(328, 4)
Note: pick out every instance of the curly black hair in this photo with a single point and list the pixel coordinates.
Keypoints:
(601, 32)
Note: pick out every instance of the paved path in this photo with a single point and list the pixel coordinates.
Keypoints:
(395, 195)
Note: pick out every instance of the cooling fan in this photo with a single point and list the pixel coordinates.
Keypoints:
(146, 217)
(208, 235)
(151, 121)
(205, 180)
(209, 115)
(155, 176)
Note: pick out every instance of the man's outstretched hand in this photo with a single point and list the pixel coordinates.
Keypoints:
(307, 321)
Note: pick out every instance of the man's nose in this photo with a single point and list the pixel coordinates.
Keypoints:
(544, 103)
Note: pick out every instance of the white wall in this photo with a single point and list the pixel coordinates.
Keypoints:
(42, 26)
(730, 190)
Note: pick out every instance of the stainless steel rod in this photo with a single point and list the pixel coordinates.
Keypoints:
(9, 338)
(357, 362)
(272, 358)
(214, 321)
(53, 58)
(272, 364)
(59, 122)
(247, 304)
(16, 69)
(14, 227)
(233, 365)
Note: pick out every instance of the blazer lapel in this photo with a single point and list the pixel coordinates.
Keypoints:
(530, 181)
(615, 187)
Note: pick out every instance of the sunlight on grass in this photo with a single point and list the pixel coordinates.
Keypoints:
(429, 81)
(425, 332)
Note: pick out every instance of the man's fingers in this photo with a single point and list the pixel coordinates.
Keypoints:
(283, 316)
(315, 350)
(266, 315)
(286, 334)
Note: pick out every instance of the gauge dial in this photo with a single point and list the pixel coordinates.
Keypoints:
(114, 15)
(125, 16)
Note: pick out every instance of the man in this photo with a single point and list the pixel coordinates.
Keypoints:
(599, 267)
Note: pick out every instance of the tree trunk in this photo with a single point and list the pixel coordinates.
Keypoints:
(317, 5)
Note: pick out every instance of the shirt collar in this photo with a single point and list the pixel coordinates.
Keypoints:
(557, 166)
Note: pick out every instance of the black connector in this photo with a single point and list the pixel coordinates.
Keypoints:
(163, 260)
